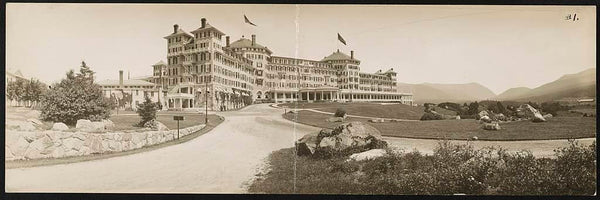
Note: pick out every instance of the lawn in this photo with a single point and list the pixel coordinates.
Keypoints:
(555, 128)
(398, 111)
(127, 122)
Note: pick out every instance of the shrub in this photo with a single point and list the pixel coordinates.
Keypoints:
(430, 116)
(450, 169)
(76, 97)
(147, 111)
(340, 112)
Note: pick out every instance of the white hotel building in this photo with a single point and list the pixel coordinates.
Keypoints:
(203, 65)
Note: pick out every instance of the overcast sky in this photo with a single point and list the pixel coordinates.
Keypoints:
(499, 47)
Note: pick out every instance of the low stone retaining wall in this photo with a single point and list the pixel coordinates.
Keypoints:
(22, 145)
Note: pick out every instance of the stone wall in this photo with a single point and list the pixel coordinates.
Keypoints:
(22, 145)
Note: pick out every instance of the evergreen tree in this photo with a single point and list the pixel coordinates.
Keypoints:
(15, 90)
(473, 108)
(501, 108)
(76, 97)
(147, 110)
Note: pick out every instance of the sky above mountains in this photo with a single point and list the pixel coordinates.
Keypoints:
(500, 47)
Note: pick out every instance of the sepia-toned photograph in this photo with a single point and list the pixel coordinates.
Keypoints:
(300, 99)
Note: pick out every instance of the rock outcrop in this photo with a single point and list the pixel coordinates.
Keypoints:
(485, 119)
(345, 137)
(368, 155)
(532, 113)
(59, 127)
(491, 126)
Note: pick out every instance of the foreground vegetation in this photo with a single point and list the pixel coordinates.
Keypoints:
(562, 127)
(451, 169)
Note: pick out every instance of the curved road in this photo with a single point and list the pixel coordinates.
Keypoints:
(223, 160)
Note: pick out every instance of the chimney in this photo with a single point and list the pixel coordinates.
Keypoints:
(227, 41)
(175, 27)
(253, 39)
(351, 54)
(121, 78)
(203, 22)
(338, 50)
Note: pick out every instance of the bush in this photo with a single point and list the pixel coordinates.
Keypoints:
(450, 169)
(147, 111)
(431, 116)
(340, 112)
(76, 97)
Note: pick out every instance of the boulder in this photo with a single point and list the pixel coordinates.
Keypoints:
(307, 144)
(501, 117)
(85, 125)
(335, 119)
(72, 143)
(35, 121)
(532, 113)
(548, 116)
(474, 138)
(26, 126)
(108, 124)
(457, 117)
(155, 125)
(8, 155)
(352, 135)
(482, 113)
(491, 126)
(19, 147)
(368, 155)
(60, 127)
(377, 120)
(485, 119)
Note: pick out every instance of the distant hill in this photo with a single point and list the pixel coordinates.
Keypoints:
(582, 84)
(513, 93)
(437, 93)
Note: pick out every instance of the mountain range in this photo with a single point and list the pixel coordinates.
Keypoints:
(582, 84)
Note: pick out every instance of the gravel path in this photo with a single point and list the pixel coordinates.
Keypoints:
(220, 161)
(223, 160)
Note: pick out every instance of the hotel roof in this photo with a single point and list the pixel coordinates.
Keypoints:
(337, 55)
(130, 82)
(179, 32)
(208, 27)
(246, 43)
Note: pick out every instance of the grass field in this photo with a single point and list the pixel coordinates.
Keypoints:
(554, 128)
(128, 122)
(398, 111)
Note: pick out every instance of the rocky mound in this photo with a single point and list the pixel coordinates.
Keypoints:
(347, 138)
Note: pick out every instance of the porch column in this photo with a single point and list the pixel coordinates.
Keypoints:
(315, 96)
(275, 94)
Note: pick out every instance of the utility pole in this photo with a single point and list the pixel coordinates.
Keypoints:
(206, 103)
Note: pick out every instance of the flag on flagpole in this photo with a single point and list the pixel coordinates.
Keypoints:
(341, 39)
(248, 21)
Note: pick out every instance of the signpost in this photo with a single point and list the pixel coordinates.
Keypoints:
(178, 118)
